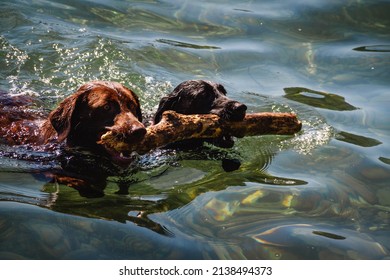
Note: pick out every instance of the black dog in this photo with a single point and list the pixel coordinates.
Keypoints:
(202, 97)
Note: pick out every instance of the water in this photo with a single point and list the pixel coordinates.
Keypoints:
(322, 194)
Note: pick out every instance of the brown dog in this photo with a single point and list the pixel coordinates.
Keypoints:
(97, 107)
(80, 120)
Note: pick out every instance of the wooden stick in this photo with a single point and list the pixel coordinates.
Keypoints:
(174, 127)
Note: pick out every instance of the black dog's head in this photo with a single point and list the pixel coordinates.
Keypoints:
(201, 97)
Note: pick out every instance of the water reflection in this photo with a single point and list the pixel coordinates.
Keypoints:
(281, 223)
(322, 194)
(322, 241)
(374, 48)
(332, 102)
(385, 160)
(159, 182)
(318, 99)
(357, 139)
(185, 45)
(87, 185)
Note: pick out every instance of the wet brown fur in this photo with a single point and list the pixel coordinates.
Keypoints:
(80, 119)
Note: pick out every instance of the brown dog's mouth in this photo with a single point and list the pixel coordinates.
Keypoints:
(122, 158)
(100, 134)
(112, 146)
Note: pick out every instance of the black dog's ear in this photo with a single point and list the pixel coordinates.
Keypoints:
(166, 103)
(221, 89)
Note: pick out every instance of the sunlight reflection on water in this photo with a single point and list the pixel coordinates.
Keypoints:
(320, 194)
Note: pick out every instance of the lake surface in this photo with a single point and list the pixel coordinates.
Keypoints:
(321, 194)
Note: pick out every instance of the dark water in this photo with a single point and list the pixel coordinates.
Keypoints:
(322, 194)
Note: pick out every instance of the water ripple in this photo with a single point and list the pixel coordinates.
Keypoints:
(373, 48)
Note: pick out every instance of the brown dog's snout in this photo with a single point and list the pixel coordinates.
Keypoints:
(137, 131)
(128, 128)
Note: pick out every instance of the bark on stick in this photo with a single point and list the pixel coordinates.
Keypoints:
(175, 127)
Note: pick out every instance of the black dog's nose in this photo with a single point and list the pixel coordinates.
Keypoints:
(238, 111)
(240, 108)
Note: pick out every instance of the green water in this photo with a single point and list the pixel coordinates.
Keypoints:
(321, 194)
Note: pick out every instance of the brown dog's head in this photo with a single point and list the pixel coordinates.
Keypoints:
(96, 108)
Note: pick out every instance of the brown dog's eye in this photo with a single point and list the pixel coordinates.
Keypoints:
(107, 107)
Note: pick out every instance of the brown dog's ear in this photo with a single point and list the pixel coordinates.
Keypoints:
(138, 112)
(61, 117)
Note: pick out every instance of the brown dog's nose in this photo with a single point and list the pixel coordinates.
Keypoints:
(128, 128)
(137, 131)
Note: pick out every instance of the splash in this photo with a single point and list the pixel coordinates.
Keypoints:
(315, 133)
